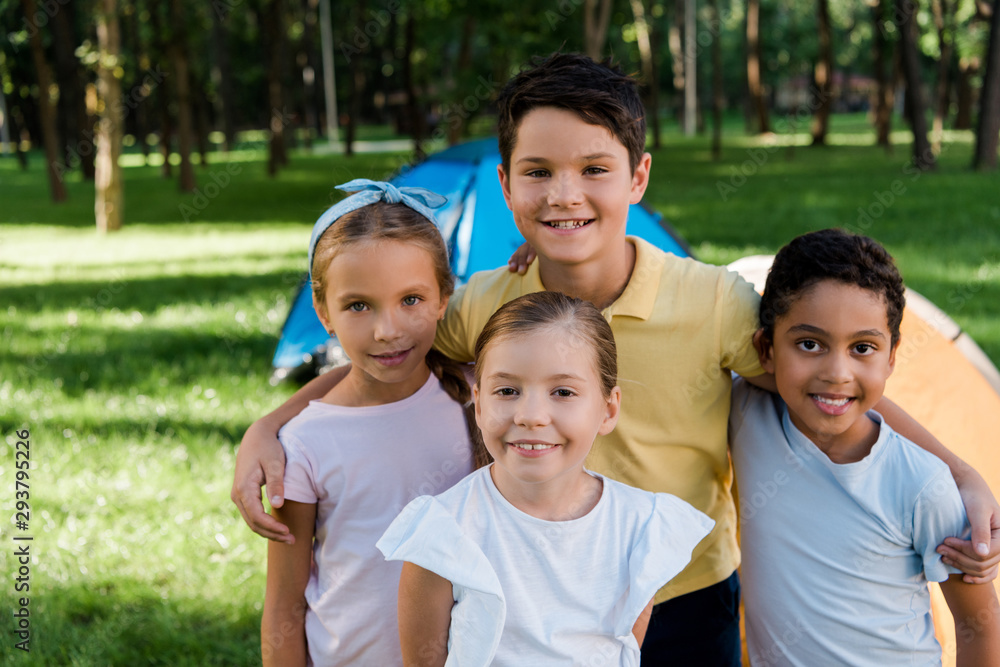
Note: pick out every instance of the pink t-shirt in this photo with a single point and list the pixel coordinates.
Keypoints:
(361, 466)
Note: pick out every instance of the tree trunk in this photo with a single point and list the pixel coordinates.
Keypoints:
(988, 127)
(596, 15)
(329, 80)
(754, 81)
(182, 83)
(649, 73)
(71, 94)
(457, 121)
(823, 75)
(307, 64)
(676, 43)
(412, 103)
(222, 77)
(50, 137)
(690, 68)
(923, 157)
(963, 94)
(139, 103)
(884, 94)
(201, 125)
(943, 11)
(356, 86)
(655, 41)
(108, 207)
(275, 30)
(718, 95)
(160, 41)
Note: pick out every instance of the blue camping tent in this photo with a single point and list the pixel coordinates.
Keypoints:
(477, 226)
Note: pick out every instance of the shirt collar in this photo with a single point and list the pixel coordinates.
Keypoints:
(639, 298)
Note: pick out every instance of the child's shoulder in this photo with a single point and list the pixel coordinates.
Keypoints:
(908, 462)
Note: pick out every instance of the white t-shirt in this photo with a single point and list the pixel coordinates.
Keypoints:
(534, 592)
(361, 466)
(836, 557)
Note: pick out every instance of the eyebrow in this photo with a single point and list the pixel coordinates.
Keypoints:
(418, 289)
(585, 158)
(808, 328)
(500, 375)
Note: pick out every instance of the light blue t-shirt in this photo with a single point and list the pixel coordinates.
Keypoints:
(836, 557)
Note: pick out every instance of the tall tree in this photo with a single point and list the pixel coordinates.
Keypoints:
(884, 94)
(413, 109)
(109, 200)
(650, 74)
(306, 61)
(690, 67)
(356, 82)
(222, 77)
(718, 96)
(943, 13)
(182, 87)
(161, 48)
(923, 157)
(72, 109)
(823, 75)
(50, 136)
(675, 40)
(988, 127)
(275, 39)
(596, 16)
(755, 84)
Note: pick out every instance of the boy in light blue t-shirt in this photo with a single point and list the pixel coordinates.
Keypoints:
(855, 509)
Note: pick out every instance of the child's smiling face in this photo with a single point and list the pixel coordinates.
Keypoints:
(570, 186)
(540, 406)
(831, 356)
(383, 303)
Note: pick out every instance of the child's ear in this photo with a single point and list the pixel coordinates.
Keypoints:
(765, 350)
(323, 316)
(504, 184)
(442, 309)
(612, 410)
(475, 401)
(640, 178)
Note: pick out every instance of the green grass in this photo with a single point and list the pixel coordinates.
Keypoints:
(138, 359)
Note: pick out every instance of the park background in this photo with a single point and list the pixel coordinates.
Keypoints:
(163, 163)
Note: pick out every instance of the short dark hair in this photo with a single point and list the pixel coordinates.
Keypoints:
(831, 254)
(599, 93)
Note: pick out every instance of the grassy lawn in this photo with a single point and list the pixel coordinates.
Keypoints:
(137, 360)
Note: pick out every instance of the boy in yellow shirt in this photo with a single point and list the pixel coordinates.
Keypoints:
(572, 138)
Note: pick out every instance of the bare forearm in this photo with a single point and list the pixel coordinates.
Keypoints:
(908, 427)
(282, 640)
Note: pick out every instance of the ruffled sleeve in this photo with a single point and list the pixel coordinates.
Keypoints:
(425, 534)
(662, 549)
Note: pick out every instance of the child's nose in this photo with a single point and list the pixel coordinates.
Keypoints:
(530, 412)
(837, 368)
(387, 326)
(565, 191)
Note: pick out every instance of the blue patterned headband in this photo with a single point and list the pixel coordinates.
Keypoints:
(367, 192)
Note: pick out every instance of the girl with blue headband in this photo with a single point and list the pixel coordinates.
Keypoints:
(392, 430)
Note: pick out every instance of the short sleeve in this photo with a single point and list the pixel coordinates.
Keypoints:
(452, 339)
(739, 305)
(661, 550)
(300, 471)
(742, 399)
(938, 513)
(425, 534)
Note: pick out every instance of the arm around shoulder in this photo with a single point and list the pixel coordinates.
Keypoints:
(260, 459)
(425, 602)
(977, 621)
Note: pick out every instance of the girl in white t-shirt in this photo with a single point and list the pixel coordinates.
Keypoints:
(534, 560)
(392, 430)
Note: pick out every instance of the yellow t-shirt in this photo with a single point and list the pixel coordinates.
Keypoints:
(680, 327)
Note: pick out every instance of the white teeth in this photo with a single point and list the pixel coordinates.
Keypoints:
(834, 402)
(567, 224)
(523, 446)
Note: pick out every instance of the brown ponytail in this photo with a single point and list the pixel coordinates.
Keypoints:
(453, 381)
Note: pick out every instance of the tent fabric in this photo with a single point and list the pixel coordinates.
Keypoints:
(478, 229)
(945, 382)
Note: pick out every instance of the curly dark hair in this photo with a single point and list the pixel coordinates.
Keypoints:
(599, 93)
(831, 254)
